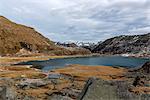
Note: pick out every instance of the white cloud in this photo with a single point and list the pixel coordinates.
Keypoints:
(80, 20)
(140, 30)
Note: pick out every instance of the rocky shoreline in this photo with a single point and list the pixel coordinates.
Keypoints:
(22, 82)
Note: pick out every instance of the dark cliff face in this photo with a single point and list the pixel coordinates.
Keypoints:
(125, 44)
(145, 68)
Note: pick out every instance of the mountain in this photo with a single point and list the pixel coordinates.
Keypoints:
(125, 44)
(16, 38)
(67, 44)
(88, 45)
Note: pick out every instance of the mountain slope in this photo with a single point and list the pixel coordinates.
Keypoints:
(15, 37)
(125, 44)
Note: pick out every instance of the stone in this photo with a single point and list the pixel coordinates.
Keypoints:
(58, 97)
(54, 76)
(23, 85)
(31, 83)
(3, 93)
(138, 82)
(72, 93)
(97, 89)
(38, 84)
(145, 68)
(6, 93)
(85, 89)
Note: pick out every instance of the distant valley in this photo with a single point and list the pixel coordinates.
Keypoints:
(18, 40)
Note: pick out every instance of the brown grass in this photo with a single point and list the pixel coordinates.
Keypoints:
(20, 71)
(10, 60)
(84, 72)
(140, 90)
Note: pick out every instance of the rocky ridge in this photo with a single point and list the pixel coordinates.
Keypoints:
(127, 44)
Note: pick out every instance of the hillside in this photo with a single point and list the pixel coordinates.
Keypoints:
(135, 44)
(16, 38)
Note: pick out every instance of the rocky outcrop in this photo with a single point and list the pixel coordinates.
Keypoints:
(135, 44)
(138, 81)
(85, 89)
(99, 89)
(145, 68)
(2, 93)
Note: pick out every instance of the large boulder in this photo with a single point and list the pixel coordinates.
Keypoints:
(31, 83)
(2, 92)
(97, 89)
(138, 81)
(7, 93)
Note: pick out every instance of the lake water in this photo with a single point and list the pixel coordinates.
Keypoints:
(98, 60)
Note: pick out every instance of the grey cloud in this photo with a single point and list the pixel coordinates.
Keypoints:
(80, 20)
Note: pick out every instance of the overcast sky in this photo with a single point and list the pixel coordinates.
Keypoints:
(80, 20)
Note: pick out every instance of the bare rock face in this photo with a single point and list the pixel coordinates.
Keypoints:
(145, 68)
(125, 44)
(142, 78)
(138, 81)
(2, 93)
(6, 93)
